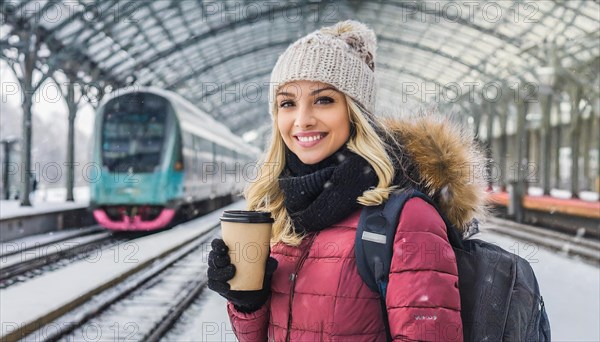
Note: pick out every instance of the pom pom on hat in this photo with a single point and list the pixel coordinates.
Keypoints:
(358, 36)
(342, 55)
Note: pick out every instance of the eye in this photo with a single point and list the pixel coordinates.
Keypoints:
(286, 103)
(324, 100)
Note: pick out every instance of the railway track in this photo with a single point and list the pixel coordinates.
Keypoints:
(145, 302)
(144, 306)
(574, 245)
(33, 261)
(161, 275)
(31, 242)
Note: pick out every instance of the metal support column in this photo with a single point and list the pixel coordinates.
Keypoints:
(546, 143)
(489, 145)
(575, 96)
(597, 135)
(7, 144)
(72, 106)
(558, 134)
(32, 45)
(586, 136)
(5, 183)
(476, 112)
(503, 146)
(519, 185)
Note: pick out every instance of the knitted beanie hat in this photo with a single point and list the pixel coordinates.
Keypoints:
(342, 55)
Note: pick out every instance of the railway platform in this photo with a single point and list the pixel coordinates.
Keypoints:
(569, 215)
(45, 215)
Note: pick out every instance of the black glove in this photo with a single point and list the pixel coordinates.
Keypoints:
(220, 270)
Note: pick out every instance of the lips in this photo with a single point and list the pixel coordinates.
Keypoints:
(309, 139)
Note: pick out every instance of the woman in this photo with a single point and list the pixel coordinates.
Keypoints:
(328, 157)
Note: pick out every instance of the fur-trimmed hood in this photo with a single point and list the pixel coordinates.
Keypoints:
(450, 165)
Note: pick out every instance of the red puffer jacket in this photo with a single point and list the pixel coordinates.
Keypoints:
(318, 295)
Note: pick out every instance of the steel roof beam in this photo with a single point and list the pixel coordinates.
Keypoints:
(213, 32)
(224, 60)
(285, 43)
(435, 52)
(79, 15)
(509, 40)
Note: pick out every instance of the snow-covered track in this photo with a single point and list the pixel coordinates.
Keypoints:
(35, 241)
(146, 305)
(575, 245)
(32, 258)
(170, 263)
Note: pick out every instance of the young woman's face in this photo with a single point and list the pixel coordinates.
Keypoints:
(312, 118)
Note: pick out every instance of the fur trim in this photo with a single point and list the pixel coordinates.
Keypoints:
(450, 165)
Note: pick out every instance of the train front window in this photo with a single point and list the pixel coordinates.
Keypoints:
(133, 133)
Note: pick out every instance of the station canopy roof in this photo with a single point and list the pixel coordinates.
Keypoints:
(219, 55)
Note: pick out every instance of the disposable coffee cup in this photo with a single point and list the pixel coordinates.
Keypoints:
(247, 234)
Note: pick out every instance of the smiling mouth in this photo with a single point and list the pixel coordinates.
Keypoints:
(310, 138)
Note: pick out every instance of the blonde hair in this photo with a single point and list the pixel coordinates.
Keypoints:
(264, 194)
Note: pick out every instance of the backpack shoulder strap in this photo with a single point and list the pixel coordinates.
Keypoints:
(374, 245)
(374, 242)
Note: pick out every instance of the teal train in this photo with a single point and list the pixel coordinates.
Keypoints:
(156, 156)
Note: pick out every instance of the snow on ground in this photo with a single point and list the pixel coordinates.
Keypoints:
(31, 241)
(588, 196)
(46, 201)
(31, 300)
(570, 288)
(81, 194)
(206, 320)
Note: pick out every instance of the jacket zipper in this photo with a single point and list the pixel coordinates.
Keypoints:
(293, 277)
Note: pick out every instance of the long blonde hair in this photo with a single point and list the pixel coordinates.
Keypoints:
(264, 194)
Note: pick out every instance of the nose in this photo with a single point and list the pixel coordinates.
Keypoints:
(305, 117)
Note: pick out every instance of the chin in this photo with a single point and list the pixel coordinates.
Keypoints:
(309, 160)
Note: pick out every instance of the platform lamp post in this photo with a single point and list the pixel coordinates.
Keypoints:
(7, 145)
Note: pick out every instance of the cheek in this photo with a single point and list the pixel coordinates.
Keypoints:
(284, 128)
(346, 125)
(342, 126)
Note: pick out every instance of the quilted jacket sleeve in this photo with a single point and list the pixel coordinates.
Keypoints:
(423, 300)
(249, 326)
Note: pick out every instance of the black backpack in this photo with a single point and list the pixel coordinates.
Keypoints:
(507, 308)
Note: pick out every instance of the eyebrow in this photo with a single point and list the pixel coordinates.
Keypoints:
(314, 92)
(285, 94)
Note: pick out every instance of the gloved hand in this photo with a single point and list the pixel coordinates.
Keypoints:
(220, 270)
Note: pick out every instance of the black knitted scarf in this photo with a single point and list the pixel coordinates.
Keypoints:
(319, 195)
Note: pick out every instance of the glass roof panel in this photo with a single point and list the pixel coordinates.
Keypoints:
(158, 6)
(179, 44)
(70, 29)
